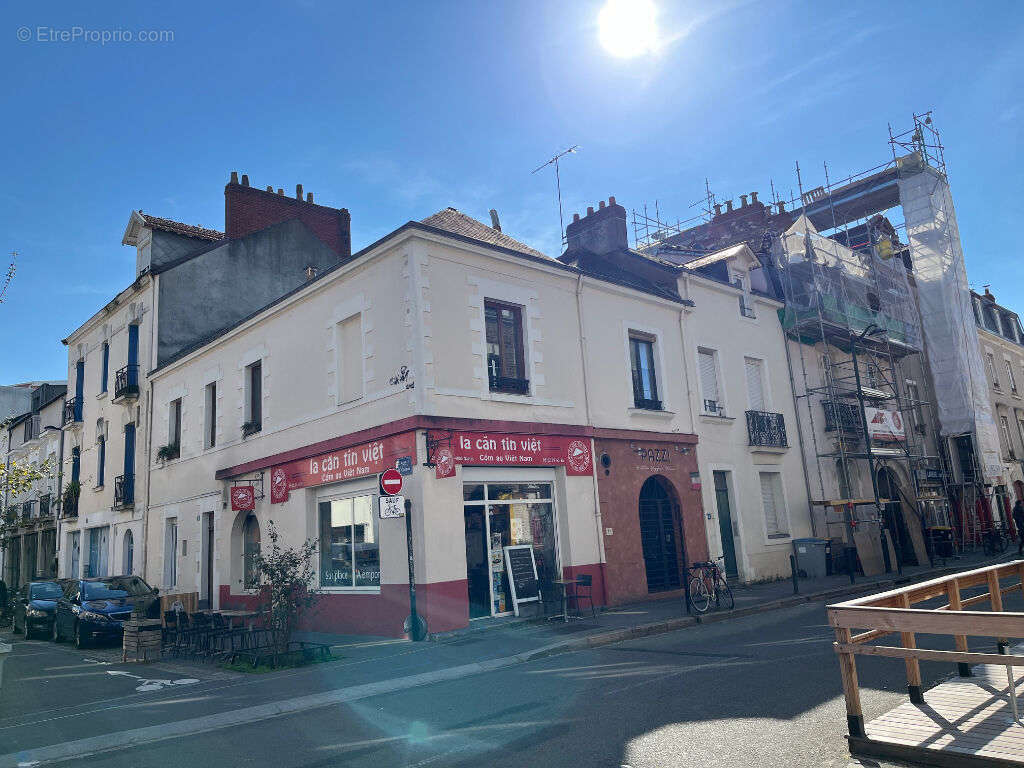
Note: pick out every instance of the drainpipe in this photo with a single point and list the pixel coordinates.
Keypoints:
(60, 496)
(586, 405)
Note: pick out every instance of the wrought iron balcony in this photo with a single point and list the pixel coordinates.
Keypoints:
(765, 429)
(124, 491)
(509, 385)
(843, 417)
(126, 382)
(73, 410)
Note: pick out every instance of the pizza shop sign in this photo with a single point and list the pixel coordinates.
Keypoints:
(346, 464)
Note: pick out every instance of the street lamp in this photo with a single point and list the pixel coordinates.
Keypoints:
(872, 330)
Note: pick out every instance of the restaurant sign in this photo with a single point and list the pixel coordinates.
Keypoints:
(504, 450)
(347, 464)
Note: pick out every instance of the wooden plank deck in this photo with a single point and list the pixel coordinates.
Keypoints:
(963, 722)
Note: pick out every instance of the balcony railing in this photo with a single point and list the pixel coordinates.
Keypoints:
(714, 408)
(766, 429)
(124, 491)
(126, 382)
(72, 410)
(509, 385)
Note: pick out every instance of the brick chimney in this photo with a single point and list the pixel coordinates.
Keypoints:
(248, 209)
(600, 231)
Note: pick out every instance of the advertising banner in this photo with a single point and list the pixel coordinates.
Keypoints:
(504, 450)
(347, 464)
(885, 425)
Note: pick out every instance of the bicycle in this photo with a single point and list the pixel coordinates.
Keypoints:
(706, 582)
(995, 541)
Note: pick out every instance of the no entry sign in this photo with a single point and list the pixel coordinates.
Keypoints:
(391, 482)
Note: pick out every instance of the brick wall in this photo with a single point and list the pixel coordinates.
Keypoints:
(619, 487)
(248, 210)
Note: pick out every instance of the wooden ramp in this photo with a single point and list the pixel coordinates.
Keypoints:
(966, 721)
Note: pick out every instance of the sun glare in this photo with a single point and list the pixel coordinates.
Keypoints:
(628, 28)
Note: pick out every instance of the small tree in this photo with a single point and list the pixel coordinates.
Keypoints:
(17, 478)
(287, 584)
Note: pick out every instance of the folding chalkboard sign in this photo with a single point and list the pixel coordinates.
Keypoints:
(522, 575)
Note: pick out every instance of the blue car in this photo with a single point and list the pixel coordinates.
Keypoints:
(34, 606)
(96, 609)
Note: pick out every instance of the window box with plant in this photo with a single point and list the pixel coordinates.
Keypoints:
(168, 452)
(251, 428)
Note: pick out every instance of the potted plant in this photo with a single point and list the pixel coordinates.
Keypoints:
(168, 452)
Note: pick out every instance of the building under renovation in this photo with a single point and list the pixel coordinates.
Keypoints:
(895, 426)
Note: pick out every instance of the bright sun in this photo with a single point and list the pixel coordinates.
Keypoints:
(627, 28)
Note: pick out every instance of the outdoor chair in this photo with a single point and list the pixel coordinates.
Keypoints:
(583, 590)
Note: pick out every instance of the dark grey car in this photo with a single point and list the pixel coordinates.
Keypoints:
(34, 606)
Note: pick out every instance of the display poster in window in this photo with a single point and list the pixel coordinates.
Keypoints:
(346, 464)
(522, 575)
(506, 450)
(884, 425)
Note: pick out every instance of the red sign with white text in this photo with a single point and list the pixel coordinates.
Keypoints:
(504, 450)
(347, 464)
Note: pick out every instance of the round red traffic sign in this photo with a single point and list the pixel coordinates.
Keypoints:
(391, 482)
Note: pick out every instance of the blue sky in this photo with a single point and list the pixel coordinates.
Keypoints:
(395, 110)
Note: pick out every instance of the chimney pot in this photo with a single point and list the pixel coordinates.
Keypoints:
(590, 210)
(728, 206)
(309, 197)
(718, 209)
(575, 217)
(782, 206)
(280, 191)
(495, 223)
(245, 179)
(234, 177)
(743, 201)
(611, 199)
(298, 191)
(600, 205)
(753, 198)
(269, 188)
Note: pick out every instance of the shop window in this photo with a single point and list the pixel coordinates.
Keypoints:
(250, 552)
(498, 515)
(645, 379)
(506, 364)
(349, 547)
(775, 515)
(349, 347)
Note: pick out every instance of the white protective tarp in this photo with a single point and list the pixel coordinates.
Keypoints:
(950, 335)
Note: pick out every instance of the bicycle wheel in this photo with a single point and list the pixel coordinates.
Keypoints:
(723, 594)
(700, 595)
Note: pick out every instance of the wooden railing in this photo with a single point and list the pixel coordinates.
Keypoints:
(890, 612)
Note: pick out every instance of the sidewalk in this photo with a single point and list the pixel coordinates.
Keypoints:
(530, 638)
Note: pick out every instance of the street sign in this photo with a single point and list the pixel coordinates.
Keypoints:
(391, 482)
(392, 507)
(404, 465)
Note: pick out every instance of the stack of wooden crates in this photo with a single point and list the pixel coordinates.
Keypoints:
(141, 638)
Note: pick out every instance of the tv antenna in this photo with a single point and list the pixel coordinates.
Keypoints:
(8, 277)
(558, 183)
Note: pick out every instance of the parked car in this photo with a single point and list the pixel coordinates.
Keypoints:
(96, 608)
(34, 606)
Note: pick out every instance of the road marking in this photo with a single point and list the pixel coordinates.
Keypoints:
(147, 684)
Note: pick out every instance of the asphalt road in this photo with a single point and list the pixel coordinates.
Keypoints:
(758, 691)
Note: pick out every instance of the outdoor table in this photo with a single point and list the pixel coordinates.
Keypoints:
(564, 584)
(244, 616)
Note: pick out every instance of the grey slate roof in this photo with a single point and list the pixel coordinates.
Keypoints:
(189, 230)
(454, 220)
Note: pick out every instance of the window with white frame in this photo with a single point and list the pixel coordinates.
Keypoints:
(642, 368)
(776, 517)
(992, 370)
(349, 545)
(754, 370)
(1011, 380)
(210, 415)
(349, 347)
(707, 363)
(170, 551)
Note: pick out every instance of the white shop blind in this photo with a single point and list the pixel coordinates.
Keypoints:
(775, 517)
(708, 375)
(755, 384)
